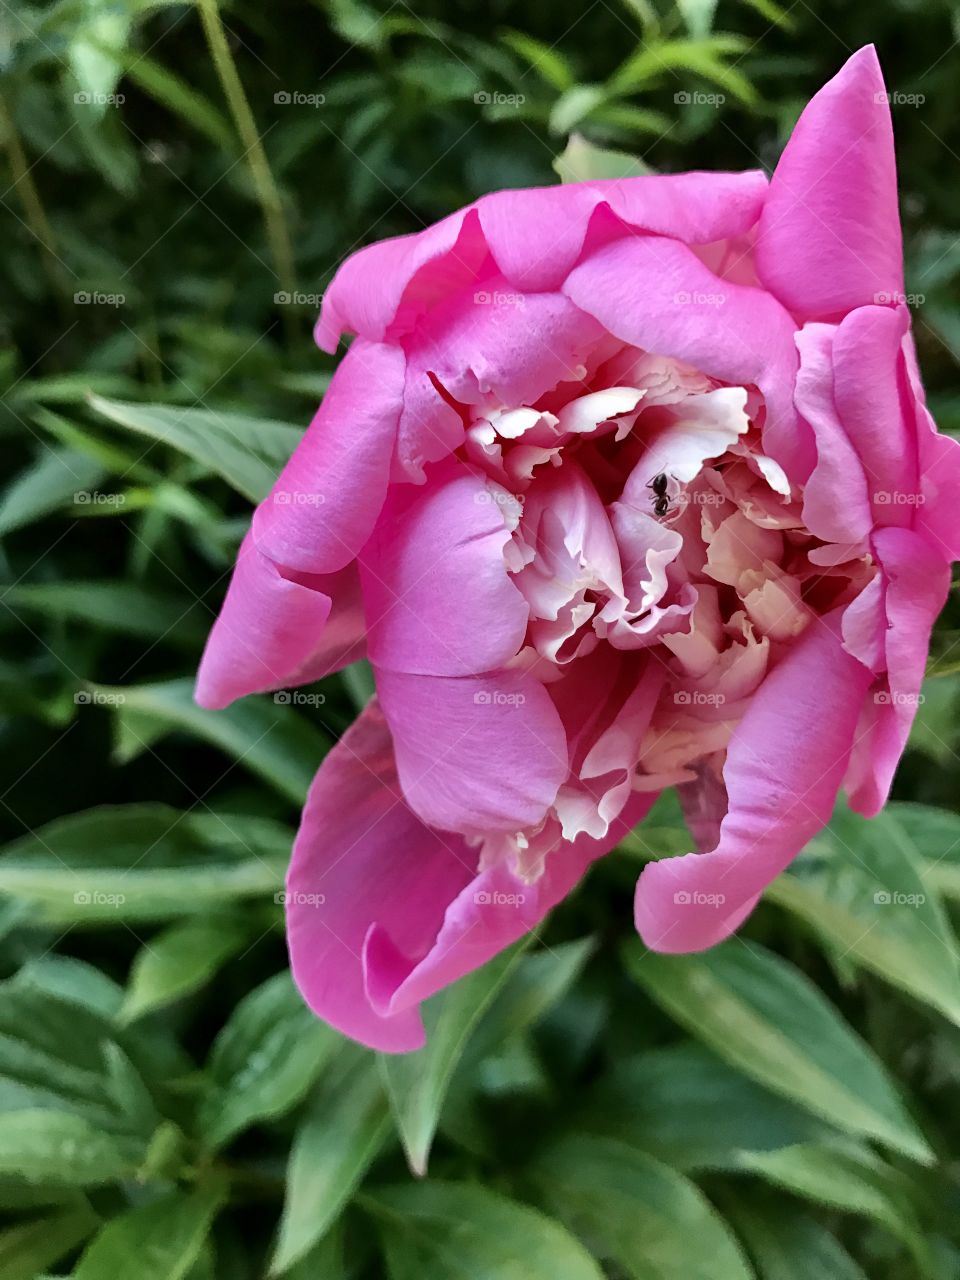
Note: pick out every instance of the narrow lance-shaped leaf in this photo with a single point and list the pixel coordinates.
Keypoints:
(763, 1016)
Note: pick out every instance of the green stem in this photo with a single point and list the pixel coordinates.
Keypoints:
(268, 193)
(33, 208)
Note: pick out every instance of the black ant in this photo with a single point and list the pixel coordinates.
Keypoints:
(661, 503)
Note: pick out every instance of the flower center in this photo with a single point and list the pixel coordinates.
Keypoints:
(655, 544)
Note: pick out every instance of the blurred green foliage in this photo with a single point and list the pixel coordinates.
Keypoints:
(179, 184)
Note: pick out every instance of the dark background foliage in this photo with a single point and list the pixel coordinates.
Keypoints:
(179, 185)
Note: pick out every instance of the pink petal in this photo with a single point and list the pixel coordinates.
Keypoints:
(534, 235)
(733, 332)
(363, 861)
(874, 405)
(784, 766)
(836, 503)
(917, 582)
(475, 754)
(829, 236)
(439, 600)
(382, 911)
(493, 911)
(274, 630)
(328, 496)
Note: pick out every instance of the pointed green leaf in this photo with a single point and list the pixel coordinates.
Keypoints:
(759, 1013)
(652, 1221)
(864, 886)
(460, 1231)
(417, 1082)
(246, 452)
(264, 1060)
(344, 1129)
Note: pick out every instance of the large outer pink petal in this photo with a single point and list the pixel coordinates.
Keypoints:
(382, 911)
(492, 911)
(328, 496)
(437, 594)
(534, 236)
(656, 294)
(784, 766)
(274, 630)
(476, 753)
(829, 237)
(362, 859)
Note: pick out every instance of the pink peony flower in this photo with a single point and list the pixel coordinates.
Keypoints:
(621, 485)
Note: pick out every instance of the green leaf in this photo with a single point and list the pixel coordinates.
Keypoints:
(268, 738)
(581, 161)
(460, 1231)
(703, 58)
(544, 59)
(28, 1248)
(180, 960)
(759, 1013)
(165, 1237)
(144, 862)
(264, 1060)
(646, 1217)
(52, 481)
(417, 1082)
(698, 15)
(575, 105)
(344, 1129)
(246, 452)
(193, 108)
(851, 1179)
(115, 606)
(61, 1147)
(791, 1246)
(688, 1108)
(863, 886)
(935, 834)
